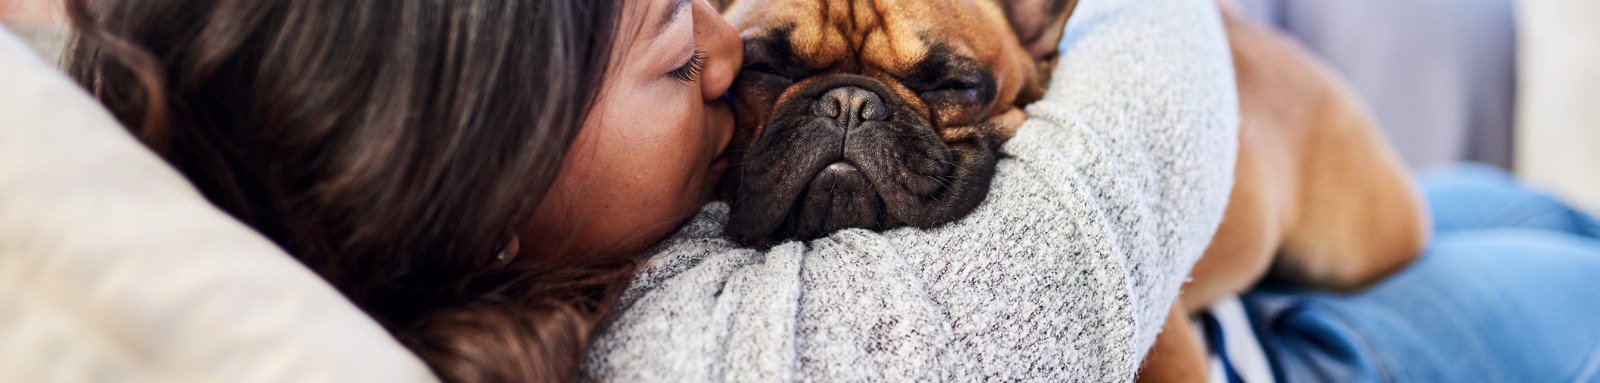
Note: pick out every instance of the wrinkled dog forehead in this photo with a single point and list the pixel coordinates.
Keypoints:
(876, 35)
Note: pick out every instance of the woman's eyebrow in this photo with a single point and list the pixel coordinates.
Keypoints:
(678, 6)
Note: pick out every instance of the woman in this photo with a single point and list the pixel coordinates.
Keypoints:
(477, 174)
(474, 174)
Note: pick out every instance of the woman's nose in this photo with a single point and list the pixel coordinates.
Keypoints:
(724, 50)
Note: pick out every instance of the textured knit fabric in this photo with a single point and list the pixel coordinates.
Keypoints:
(1110, 193)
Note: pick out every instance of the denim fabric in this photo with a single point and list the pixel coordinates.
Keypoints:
(1509, 291)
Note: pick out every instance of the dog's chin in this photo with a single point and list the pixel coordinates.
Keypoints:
(847, 195)
(839, 197)
(846, 152)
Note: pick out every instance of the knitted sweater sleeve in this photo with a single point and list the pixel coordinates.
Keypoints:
(1109, 194)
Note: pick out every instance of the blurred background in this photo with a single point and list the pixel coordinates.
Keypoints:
(1512, 83)
(41, 22)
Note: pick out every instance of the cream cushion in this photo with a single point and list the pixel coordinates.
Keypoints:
(1558, 122)
(113, 268)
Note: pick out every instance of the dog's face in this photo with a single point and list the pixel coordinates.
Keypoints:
(878, 114)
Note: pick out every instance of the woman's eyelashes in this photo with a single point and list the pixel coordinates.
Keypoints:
(690, 71)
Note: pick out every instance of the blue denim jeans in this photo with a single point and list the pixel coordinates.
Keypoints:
(1509, 291)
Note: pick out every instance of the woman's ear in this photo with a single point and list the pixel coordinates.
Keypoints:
(1039, 24)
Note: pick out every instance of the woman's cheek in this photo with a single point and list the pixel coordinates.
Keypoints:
(638, 173)
(676, 140)
(664, 149)
(675, 152)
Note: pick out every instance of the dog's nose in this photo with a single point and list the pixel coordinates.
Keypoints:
(850, 105)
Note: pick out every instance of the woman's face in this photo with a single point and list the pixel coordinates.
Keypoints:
(650, 153)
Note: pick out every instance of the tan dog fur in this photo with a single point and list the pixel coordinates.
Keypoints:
(1319, 200)
(1319, 197)
(829, 32)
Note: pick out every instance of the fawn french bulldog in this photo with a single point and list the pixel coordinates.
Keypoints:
(880, 114)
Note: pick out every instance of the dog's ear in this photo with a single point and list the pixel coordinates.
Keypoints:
(1039, 24)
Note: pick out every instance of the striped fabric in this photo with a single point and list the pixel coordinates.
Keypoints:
(1236, 354)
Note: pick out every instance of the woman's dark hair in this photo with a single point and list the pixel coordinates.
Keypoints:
(389, 145)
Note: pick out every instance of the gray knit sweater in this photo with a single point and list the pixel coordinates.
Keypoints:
(1111, 192)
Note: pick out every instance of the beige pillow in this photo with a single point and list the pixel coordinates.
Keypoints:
(113, 268)
(1558, 100)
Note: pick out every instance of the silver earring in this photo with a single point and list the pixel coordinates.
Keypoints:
(507, 251)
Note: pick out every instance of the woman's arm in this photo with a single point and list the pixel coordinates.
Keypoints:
(1113, 189)
(1139, 131)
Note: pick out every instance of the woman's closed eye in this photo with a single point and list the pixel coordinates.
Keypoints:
(690, 71)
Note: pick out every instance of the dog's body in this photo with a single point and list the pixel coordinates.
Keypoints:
(1319, 198)
(854, 115)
